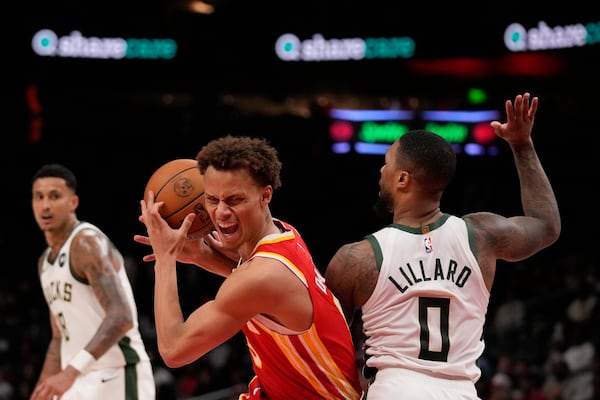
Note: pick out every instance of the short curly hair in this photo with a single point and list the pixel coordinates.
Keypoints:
(255, 155)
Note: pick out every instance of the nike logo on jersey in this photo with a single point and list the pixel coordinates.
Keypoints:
(104, 380)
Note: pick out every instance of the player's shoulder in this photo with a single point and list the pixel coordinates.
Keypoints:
(84, 226)
(88, 236)
(87, 229)
(481, 220)
(262, 274)
(355, 255)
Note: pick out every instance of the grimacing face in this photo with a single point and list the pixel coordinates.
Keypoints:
(233, 201)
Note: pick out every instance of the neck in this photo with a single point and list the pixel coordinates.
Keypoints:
(432, 214)
(420, 220)
(269, 228)
(427, 218)
(55, 239)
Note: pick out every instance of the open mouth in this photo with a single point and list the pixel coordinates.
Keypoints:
(228, 230)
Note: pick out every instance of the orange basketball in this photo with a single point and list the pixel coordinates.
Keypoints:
(180, 186)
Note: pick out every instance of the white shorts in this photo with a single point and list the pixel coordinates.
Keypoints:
(134, 382)
(396, 383)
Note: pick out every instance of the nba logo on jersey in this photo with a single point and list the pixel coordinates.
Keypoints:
(428, 245)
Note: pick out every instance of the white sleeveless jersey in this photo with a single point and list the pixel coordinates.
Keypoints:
(78, 312)
(428, 308)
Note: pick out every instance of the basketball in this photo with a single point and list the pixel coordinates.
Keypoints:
(180, 186)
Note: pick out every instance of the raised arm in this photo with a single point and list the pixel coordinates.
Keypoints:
(519, 237)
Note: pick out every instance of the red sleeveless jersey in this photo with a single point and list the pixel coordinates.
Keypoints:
(316, 364)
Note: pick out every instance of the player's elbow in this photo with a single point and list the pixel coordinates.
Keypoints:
(127, 325)
(172, 357)
(543, 231)
(127, 320)
(170, 361)
(555, 233)
(552, 231)
(124, 322)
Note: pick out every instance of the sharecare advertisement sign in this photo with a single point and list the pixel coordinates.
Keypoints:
(46, 42)
(545, 37)
(289, 47)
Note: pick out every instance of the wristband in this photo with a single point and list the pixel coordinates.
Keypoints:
(82, 361)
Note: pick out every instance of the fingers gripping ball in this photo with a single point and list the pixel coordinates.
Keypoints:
(180, 186)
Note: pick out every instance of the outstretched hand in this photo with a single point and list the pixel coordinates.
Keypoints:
(519, 120)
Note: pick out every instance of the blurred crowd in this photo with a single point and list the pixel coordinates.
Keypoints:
(543, 332)
(541, 336)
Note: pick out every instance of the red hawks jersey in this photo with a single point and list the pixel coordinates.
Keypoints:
(318, 363)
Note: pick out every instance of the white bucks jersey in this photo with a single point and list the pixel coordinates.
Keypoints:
(428, 308)
(78, 312)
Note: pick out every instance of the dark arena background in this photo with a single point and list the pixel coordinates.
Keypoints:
(114, 89)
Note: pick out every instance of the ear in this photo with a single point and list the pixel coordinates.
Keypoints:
(403, 177)
(267, 194)
(74, 202)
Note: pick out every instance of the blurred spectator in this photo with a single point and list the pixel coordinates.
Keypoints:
(165, 383)
(556, 380)
(579, 357)
(7, 390)
(501, 387)
(583, 305)
(529, 387)
(508, 323)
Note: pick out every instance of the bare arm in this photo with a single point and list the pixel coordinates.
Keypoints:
(351, 275)
(283, 298)
(94, 258)
(51, 364)
(519, 237)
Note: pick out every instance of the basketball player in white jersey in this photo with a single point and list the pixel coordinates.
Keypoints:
(96, 351)
(423, 283)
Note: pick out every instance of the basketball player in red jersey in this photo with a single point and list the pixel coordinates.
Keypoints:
(300, 344)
